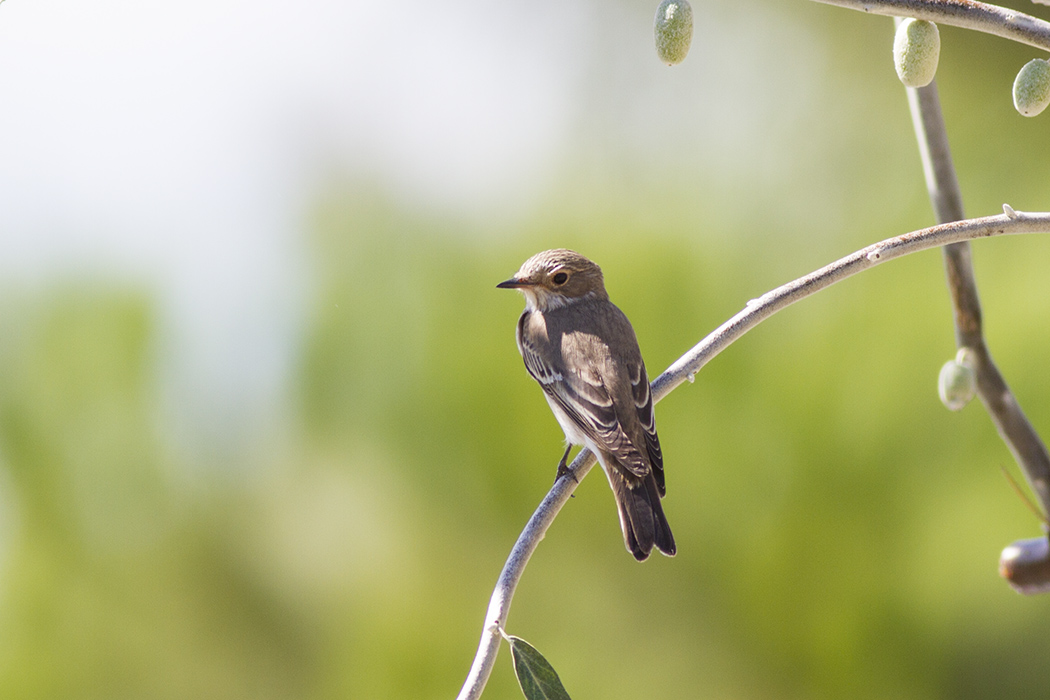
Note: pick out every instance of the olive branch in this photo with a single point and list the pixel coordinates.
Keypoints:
(1025, 564)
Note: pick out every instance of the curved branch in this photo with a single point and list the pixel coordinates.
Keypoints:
(756, 311)
(528, 540)
(979, 16)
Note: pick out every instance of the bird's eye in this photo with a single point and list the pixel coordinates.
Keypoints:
(560, 278)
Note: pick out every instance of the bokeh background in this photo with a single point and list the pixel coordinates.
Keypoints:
(264, 432)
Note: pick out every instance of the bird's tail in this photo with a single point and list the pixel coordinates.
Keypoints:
(642, 517)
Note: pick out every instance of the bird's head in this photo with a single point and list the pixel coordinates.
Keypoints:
(557, 278)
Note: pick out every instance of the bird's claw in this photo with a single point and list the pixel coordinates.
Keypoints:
(563, 468)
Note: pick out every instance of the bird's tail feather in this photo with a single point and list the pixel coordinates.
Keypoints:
(642, 517)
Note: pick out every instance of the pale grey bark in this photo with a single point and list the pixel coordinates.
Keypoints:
(978, 16)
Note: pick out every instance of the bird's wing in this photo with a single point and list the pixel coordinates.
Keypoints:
(643, 404)
(602, 396)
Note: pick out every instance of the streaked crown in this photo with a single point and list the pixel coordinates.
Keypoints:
(557, 277)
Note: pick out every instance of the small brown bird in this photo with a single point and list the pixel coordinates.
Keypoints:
(583, 352)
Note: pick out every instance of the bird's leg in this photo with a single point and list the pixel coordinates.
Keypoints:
(563, 469)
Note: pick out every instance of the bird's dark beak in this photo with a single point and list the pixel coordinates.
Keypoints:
(512, 283)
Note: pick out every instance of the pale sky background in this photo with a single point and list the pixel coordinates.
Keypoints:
(177, 145)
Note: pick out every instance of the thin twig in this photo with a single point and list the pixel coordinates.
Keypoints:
(756, 311)
(1040, 515)
(979, 16)
(1014, 428)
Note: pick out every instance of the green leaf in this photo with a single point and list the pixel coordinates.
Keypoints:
(537, 678)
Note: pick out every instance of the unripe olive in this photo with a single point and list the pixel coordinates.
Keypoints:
(916, 49)
(957, 383)
(1032, 87)
(674, 30)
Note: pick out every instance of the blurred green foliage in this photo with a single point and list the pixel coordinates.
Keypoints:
(838, 529)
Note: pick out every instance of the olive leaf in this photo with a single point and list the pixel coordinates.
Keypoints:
(537, 678)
